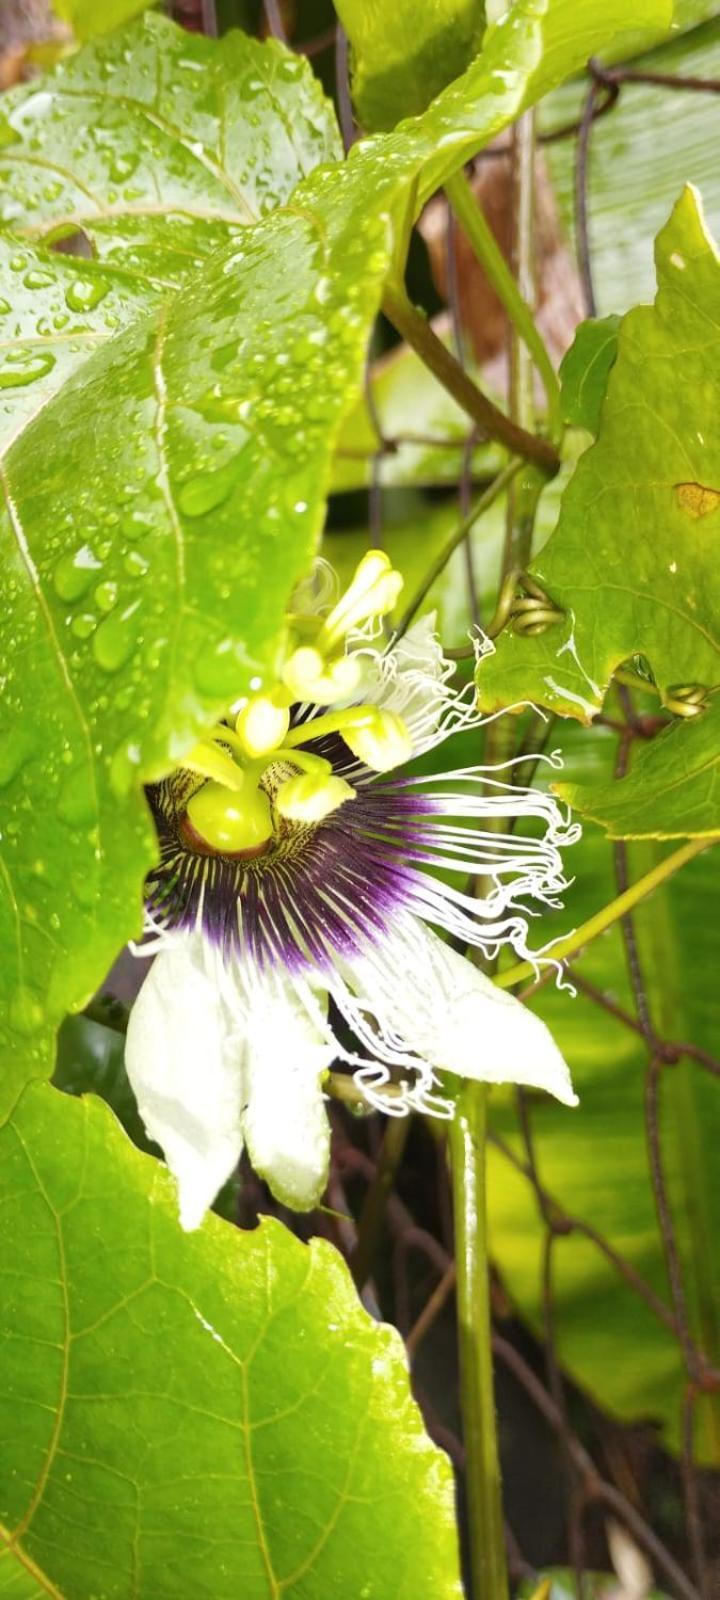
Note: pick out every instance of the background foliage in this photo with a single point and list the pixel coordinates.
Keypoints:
(190, 271)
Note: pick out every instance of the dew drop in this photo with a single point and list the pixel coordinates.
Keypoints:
(75, 572)
(115, 640)
(106, 595)
(206, 491)
(76, 802)
(85, 293)
(83, 625)
(22, 367)
(37, 279)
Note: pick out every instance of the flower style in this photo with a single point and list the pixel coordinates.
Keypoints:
(297, 869)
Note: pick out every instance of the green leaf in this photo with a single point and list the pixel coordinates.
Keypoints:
(584, 372)
(404, 55)
(87, 18)
(632, 560)
(672, 790)
(160, 146)
(156, 130)
(209, 1414)
(150, 565)
(594, 1161)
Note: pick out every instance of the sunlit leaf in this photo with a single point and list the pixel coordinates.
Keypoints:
(208, 1414)
(632, 561)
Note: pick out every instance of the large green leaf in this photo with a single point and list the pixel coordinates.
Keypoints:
(632, 563)
(208, 1414)
(149, 567)
(404, 55)
(594, 1162)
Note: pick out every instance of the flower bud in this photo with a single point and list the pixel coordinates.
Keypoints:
(372, 593)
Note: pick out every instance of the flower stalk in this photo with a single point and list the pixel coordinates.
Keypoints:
(468, 1148)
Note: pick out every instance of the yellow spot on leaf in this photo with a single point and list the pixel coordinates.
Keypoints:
(696, 500)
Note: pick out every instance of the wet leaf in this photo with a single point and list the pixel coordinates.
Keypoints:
(584, 372)
(278, 1447)
(631, 563)
(153, 149)
(404, 55)
(146, 593)
(162, 141)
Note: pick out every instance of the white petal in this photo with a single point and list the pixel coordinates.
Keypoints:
(429, 1000)
(285, 1122)
(186, 1074)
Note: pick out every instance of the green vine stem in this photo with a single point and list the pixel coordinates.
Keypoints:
(415, 329)
(468, 1146)
(483, 504)
(611, 913)
(485, 247)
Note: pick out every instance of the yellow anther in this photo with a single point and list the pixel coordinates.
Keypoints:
(209, 761)
(262, 724)
(308, 798)
(229, 822)
(372, 593)
(382, 742)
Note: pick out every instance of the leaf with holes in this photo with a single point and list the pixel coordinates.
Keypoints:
(632, 562)
(210, 1414)
(671, 791)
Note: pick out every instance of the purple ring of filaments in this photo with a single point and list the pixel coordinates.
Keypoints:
(330, 889)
